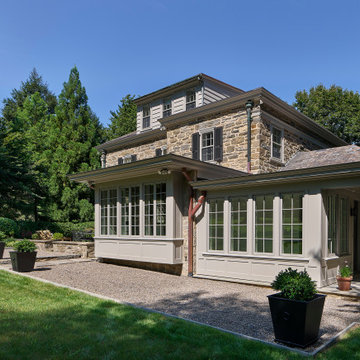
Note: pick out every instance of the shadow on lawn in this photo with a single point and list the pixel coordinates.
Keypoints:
(105, 330)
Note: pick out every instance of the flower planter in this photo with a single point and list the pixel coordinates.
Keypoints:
(23, 261)
(296, 322)
(2, 247)
(344, 283)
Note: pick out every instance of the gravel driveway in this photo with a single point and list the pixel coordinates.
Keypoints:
(236, 307)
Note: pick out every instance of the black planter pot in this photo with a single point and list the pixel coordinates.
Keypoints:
(23, 261)
(296, 322)
(2, 247)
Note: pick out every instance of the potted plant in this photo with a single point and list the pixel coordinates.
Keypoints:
(344, 278)
(3, 237)
(24, 257)
(296, 310)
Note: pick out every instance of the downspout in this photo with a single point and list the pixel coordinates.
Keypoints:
(249, 105)
(191, 214)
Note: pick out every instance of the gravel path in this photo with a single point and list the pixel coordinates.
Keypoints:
(236, 307)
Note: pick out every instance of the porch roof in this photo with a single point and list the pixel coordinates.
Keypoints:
(155, 165)
(334, 171)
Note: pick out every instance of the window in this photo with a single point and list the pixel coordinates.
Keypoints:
(344, 226)
(216, 224)
(190, 100)
(292, 223)
(337, 209)
(155, 201)
(146, 117)
(127, 159)
(130, 211)
(238, 233)
(264, 224)
(331, 213)
(108, 210)
(207, 146)
(276, 144)
(166, 108)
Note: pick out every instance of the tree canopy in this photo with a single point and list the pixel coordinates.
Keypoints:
(335, 108)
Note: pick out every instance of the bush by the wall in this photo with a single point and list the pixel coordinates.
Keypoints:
(35, 236)
(8, 226)
(57, 236)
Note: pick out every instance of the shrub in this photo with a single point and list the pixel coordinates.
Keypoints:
(345, 271)
(35, 236)
(3, 236)
(294, 285)
(24, 246)
(57, 236)
(10, 242)
(8, 226)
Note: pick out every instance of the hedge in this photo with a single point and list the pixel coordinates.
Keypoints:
(8, 226)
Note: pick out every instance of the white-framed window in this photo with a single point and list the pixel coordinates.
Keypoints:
(146, 117)
(264, 223)
(216, 224)
(166, 108)
(108, 212)
(331, 205)
(207, 146)
(292, 223)
(190, 99)
(277, 144)
(238, 224)
(130, 210)
(344, 226)
(127, 159)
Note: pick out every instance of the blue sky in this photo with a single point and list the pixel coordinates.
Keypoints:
(139, 46)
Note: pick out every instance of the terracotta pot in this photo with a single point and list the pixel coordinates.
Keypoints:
(344, 283)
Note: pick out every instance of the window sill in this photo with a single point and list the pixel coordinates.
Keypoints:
(276, 161)
(261, 257)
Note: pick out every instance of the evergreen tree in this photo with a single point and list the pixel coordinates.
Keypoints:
(72, 134)
(123, 120)
(336, 109)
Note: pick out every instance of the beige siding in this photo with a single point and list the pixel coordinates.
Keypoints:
(215, 92)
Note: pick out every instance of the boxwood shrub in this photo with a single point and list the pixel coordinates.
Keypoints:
(57, 236)
(294, 285)
(24, 246)
(8, 226)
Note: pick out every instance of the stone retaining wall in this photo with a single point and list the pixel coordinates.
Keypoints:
(85, 249)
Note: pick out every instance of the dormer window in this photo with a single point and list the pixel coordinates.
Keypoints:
(190, 100)
(166, 108)
(146, 117)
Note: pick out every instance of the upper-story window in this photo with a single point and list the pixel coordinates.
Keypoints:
(146, 117)
(207, 145)
(277, 144)
(190, 100)
(166, 107)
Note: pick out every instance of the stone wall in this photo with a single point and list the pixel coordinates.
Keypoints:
(143, 151)
(292, 144)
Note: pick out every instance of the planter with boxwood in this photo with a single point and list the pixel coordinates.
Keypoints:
(345, 278)
(296, 310)
(24, 257)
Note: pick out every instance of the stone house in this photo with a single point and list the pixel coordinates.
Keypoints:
(222, 183)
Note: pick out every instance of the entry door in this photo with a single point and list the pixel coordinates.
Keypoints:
(356, 238)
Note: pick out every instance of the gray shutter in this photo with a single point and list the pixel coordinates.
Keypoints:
(133, 158)
(120, 161)
(218, 144)
(196, 146)
(157, 152)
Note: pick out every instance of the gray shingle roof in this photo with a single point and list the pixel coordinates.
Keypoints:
(324, 157)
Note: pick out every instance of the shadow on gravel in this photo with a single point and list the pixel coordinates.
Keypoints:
(42, 269)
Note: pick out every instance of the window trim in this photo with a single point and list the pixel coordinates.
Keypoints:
(245, 198)
(281, 159)
(167, 100)
(144, 117)
(108, 216)
(190, 102)
(201, 133)
(208, 225)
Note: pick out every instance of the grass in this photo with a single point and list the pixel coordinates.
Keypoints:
(41, 321)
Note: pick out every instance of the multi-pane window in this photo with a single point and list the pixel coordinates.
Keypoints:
(207, 146)
(125, 211)
(216, 224)
(130, 211)
(190, 100)
(292, 209)
(135, 210)
(264, 224)
(146, 117)
(149, 209)
(166, 107)
(331, 214)
(344, 226)
(160, 203)
(238, 232)
(108, 210)
(276, 143)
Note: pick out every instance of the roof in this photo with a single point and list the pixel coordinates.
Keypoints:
(192, 81)
(153, 166)
(324, 157)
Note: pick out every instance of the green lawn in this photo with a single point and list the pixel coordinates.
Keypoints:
(41, 321)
